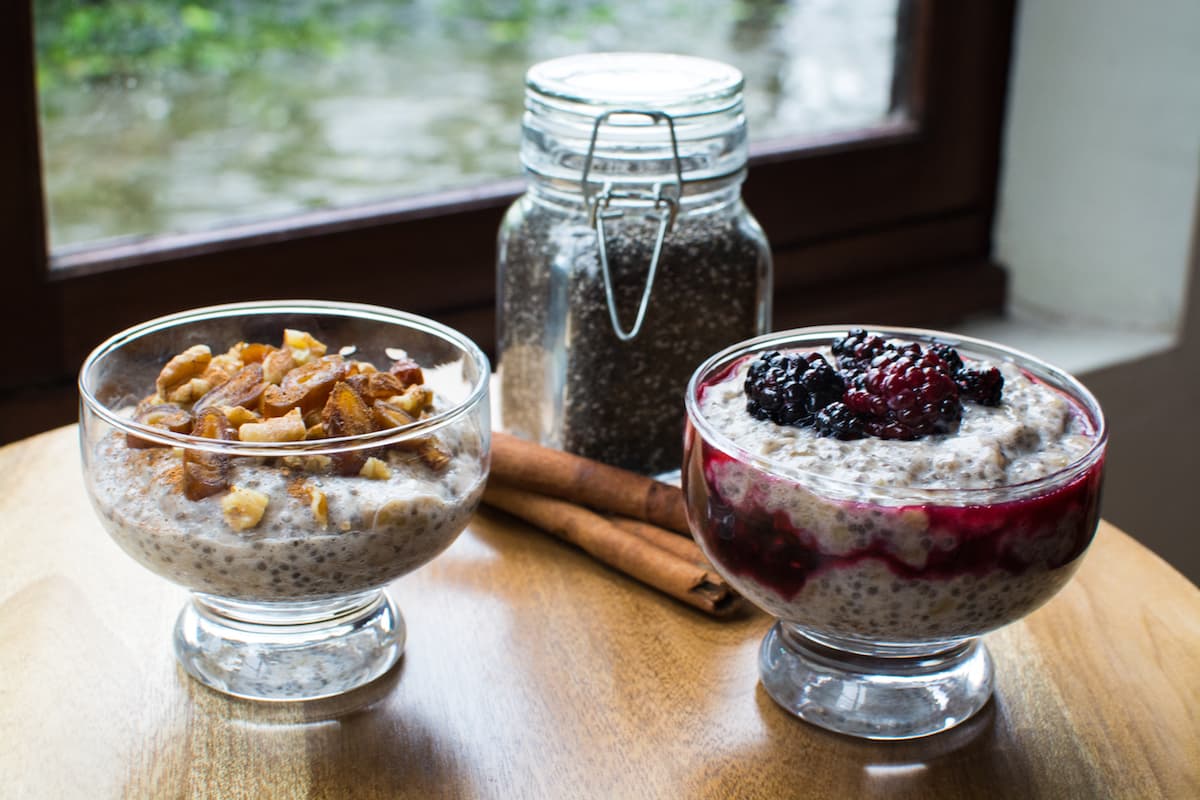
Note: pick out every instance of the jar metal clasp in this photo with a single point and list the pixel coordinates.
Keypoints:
(606, 204)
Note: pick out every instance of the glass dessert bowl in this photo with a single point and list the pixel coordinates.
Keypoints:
(284, 461)
(889, 505)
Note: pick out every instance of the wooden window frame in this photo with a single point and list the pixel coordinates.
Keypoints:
(890, 224)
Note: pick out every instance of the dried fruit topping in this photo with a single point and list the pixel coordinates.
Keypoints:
(345, 414)
(243, 389)
(182, 368)
(905, 396)
(206, 474)
(253, 352)
(407, 371)
(306, 387)
(791, 389)
(388, 415)
(161, 415)
(372, 386)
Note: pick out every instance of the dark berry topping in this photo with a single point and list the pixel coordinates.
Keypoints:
(950, 356)
(857, 348)
(906, 396)
(836, 420)
(983, 386)
(791, 389)
(887, 389)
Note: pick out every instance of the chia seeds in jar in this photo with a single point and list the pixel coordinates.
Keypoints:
(630, 258)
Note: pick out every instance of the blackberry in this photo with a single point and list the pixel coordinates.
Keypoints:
(790, 389)
(855, 351)
(906, 396)
(950, 356)
(984, 386)
(837, 421)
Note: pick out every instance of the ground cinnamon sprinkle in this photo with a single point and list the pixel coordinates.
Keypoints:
(298, 488)
(174, 478)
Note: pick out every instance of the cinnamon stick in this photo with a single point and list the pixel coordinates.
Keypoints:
(580, 480)
(619, 549)
(687, 549)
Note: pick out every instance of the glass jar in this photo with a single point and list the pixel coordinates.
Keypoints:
(631, 256)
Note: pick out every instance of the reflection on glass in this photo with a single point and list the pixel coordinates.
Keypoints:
(167, 116)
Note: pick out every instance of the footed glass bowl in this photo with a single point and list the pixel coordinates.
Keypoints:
(885, 560)
(282, 482)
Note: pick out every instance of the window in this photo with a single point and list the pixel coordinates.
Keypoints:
(882, 222)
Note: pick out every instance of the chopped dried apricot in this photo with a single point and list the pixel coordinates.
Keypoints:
(205, 474)
(345, 414)
(160, 415)
(243, 389)
(407, 371)
(306, 387)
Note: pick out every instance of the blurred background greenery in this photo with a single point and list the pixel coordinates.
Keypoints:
(170, 116)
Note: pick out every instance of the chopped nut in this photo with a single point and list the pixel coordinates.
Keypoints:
(433, 455)
(288, 428)
(243, 508)
(189, 391)
(182, 368)
(362, 368)
(316, 431)
(239, 416)
(416, 398)
(344, 525)
(276, 364)
(319, 506)
(375, 469)
(303, 345)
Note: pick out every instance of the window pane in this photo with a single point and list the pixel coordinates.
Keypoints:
(169, 116)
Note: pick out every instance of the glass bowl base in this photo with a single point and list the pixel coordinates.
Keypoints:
(289, 651)
(886, 693)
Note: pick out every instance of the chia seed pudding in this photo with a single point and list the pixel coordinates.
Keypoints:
(233, 491)
(885, 540)
(374, 530)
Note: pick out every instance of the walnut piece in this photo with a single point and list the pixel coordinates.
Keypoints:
(303, 345)
(182, 368)
(319, 505)
(375, 469)
(243, 508)
(288, 428)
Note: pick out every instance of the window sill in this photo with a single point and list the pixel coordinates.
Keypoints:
(1075, 346)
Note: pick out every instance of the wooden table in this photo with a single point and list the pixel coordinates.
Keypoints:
(532, 671)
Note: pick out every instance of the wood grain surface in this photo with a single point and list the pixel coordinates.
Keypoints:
(533, 671)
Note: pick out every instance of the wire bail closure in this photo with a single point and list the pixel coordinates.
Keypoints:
(600, 208)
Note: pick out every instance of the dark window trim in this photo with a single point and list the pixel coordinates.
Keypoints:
(890, 224)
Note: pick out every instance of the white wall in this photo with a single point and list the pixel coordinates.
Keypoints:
(1099, 226)
(1101, 158)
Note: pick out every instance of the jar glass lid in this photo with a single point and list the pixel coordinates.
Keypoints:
(675, 84)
